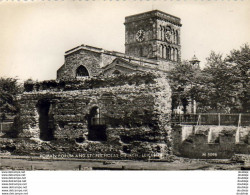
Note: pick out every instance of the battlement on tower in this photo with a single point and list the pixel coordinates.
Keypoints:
(154, 14)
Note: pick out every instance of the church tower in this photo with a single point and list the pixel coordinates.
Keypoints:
(153, 35)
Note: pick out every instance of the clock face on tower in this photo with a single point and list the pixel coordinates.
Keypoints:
(168, 36)
(153, 35)
(140, 35)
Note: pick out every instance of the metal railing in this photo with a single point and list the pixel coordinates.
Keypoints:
(211, 119)
(193, 119)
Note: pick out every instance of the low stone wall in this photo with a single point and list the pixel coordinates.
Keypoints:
(210, 141)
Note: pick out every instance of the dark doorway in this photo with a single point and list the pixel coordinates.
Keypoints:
(96, 126)
(45, 120)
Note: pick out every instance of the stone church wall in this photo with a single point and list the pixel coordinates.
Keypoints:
(145, 48)
(94, 59)
(136, 114)
(89, 59)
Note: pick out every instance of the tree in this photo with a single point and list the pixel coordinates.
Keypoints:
(225, 85)
(239, 60)
(217, 84)
(9, 89)
(222, 86)
(184, 81)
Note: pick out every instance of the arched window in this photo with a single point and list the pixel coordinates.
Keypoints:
(169, 53)
(177, 55)
(174, 40)
(162, 33)
(173, 57)
(81, 71)
(172, 54)
(177, 37)
(164, 52)
(161, 48)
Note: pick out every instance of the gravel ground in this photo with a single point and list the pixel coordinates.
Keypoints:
(31, 163)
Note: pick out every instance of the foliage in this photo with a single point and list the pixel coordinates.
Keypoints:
(137, 78)
(9, 89)
(184, 81)
(216, 84)
(227, 81)
(222, 86)
(239, 61)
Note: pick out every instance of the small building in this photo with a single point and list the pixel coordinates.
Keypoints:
(195, 62)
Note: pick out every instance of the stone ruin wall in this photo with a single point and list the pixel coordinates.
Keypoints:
(138, 116)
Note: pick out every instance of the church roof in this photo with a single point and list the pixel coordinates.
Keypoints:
(113, 53)
(122, 63)
(136, 60)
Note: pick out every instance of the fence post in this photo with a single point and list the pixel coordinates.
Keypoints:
(239, 122)
(199, 120)
(219, 119)
(237, 135)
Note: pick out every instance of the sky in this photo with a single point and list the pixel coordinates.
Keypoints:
(35, 35)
